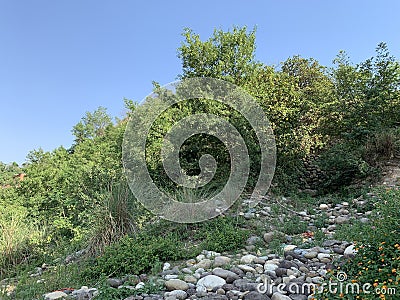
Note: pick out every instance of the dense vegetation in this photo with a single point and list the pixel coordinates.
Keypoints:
(347, 115)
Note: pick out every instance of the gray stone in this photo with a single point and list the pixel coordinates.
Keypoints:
(210, 282)
(224, 273)
(204, 263)
(279, 296)
(253, 240)
(220, 261)
(330, 243)
(55, 295)
(270, 267)
(190, 278)
(311, 254)
(268, 237)
(281, 272)
(176, 284)
(255, 296)
(248, 259)
(341, 220)
(177, 294)
(246, 268)
(114, 282)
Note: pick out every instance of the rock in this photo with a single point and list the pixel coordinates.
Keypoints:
(338, 250)
(311, 254)
(55, 295)
(210, 254)
(248, 259)
(114, 282)
(255, 296)
(268, 237)
(176, 294)
(224, 273)
(341, 220)
(245, 285)
(330, 243)
(211, 282)
(270, 267)
(187, 271)
(166, 266)
(246, 268)
(190, 279)
(139, 286)
(288, 248)
(176, 284)
(298, 297)
(279, 296)
(349, 251)
(204, 264)
(323, 255)
(220, 261)
(253, 240)
(323, 206)
(280, 272)
(220, 291)
(259, 260)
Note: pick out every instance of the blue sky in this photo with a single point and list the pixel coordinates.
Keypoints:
(60, 59)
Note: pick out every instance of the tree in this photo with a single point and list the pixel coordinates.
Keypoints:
(226, 55)
(92, 125)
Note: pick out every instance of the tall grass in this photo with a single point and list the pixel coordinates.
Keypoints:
(18, 238)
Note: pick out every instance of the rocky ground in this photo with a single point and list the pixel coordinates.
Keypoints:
(256, 272)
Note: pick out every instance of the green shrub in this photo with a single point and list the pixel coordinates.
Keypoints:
(222, 234)
(135, 255)
(341, 164)
(19, 239)
(377, 261)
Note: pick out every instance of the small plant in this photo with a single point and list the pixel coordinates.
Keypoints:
(294, 226)
(377, 261)
(321, 221)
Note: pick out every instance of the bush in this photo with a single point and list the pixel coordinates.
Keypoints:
(19, 239)
(342, 164)
(378, 259)
(117, 215)
(222, 234)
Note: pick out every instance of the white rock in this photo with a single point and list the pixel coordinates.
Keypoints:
(248, 259)
(166, 266)
(279, 296)
(289, 248)
(220, 261)
(55, 295)
(323, 255)
(210, 282)
(350, 250)
(200, 257)
(323, 206)
(139, 286)
(246, 268)
(177, 294)
(270, 267)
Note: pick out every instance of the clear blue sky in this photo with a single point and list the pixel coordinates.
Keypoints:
(59, 59)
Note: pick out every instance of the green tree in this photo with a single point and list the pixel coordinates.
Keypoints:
(225, 55)
(92, 125)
